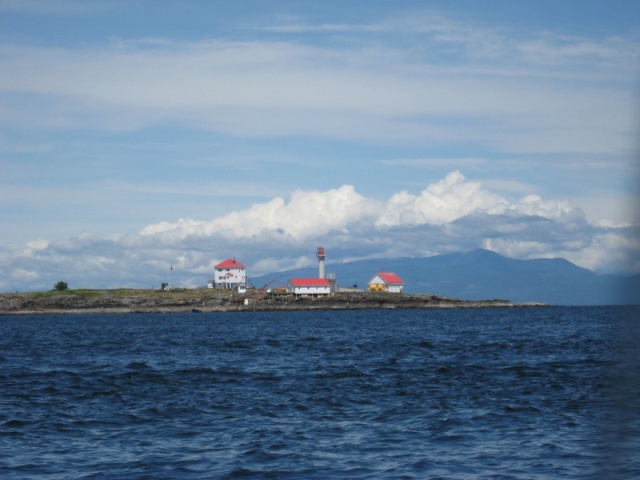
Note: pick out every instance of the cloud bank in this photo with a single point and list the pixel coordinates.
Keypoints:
(452, 214)
(273, 86)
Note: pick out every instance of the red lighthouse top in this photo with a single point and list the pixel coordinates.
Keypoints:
(320, 252)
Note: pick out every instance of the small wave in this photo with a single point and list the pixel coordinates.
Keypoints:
(272, 342)
(519, 409)
(351, 372)
(525, 370)
(239, 345)
(454, 437)
(195, 371)
(137, 366)
(15, 423)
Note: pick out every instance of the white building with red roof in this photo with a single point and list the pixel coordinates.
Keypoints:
(386, 282)
(309, 286)
(229, 274)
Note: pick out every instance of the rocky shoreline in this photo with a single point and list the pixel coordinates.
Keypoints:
(205, 300)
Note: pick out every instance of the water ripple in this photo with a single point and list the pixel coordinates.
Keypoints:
(388, 394)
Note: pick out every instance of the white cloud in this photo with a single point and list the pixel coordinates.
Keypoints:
(555, 49)
(257, 88)
(611, 251)
(448, 215)
(482, 44)
(38, 244)
(306, 215)
(22, 275)
(535, 205)
(442, 202)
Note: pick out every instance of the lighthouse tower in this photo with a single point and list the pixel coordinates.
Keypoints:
(320, 262)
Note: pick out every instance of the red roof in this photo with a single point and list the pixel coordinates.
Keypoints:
(229, 263)
(389, 278)
(310, 282)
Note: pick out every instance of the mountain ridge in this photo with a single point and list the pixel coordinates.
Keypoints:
(482, 274)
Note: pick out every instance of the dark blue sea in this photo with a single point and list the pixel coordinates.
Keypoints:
(458, 394)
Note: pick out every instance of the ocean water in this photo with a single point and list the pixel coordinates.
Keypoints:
(470, 393)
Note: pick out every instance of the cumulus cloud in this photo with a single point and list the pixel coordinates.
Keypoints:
(453, 214)
(306, 215)
(440, 203)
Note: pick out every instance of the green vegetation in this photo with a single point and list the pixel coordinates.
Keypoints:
(60, 286)
(68, 292)
(136, 292)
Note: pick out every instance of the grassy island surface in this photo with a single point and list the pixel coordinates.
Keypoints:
(126, 300)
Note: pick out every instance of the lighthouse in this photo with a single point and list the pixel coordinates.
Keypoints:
(320, 262)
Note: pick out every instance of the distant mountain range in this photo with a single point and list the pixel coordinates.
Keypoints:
(485, 275)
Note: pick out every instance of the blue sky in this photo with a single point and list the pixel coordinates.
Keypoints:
(136, 135)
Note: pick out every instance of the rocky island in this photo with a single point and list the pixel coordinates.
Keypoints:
(86, 301)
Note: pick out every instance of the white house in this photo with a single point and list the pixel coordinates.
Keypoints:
(229, 274)
(386, 282)
(309, 286)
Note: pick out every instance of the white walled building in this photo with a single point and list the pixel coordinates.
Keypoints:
(386, 282)
(229, 274)
(309, 286)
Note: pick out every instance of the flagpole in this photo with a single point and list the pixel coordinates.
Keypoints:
(172, 276)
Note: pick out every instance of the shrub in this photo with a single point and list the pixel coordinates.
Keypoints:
(61, 286)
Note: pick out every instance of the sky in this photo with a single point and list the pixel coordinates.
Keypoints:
(142, 142)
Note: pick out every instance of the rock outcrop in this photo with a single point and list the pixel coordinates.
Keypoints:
(204, 300)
